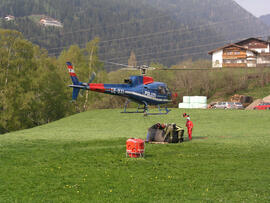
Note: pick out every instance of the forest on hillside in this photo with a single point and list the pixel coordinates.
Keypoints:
(155, 30)
(34, 86)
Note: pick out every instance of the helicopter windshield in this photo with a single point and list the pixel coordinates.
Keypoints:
(161, 90)
(168, 90)
(127, 81)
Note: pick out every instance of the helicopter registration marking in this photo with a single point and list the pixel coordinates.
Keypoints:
(150, 94)
(117, 91)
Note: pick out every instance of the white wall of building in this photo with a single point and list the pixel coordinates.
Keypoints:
(217, 59)
(262, 50)
(263, 60)
(9, 18)
(251, 59)
(54, 23)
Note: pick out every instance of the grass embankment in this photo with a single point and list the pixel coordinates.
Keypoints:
(257, 93)
(82, 158)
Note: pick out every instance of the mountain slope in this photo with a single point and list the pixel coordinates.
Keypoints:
(265, 19)
(156, 30)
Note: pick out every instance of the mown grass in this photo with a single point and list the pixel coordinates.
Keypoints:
(82, 159)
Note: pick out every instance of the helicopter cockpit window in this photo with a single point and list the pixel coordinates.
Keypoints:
(127, 81)
(161, 90)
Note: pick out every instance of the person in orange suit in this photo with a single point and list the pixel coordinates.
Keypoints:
(189, 125)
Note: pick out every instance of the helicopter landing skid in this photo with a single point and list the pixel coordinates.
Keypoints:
(145, 110)
(161, 111)
(164, 111)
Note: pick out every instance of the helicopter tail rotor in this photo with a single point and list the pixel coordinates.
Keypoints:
(92, 77)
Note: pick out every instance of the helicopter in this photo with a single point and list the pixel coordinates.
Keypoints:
(140, 89)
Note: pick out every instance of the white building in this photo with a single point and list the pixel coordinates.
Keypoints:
(9, 18)
(50, 22)
(250, 52)
(255, 44)
(233, 55)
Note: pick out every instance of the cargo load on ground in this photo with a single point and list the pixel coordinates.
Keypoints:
(168, 133)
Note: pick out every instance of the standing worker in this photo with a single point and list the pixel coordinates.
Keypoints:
(189, 125)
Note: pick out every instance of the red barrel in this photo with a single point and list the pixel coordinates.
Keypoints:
(135, 147)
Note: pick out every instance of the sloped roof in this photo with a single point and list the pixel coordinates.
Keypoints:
(231, 45)
(252, 38)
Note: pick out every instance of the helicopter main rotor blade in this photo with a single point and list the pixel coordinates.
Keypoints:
(129, 69)
(151, 68)
(181, 69)
(119, 64)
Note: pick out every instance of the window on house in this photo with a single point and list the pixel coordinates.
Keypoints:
(227, 61)
(240, 61)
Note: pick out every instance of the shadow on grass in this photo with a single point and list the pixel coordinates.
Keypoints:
(198, 138)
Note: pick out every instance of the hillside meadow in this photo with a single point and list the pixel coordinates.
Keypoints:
(82, 158)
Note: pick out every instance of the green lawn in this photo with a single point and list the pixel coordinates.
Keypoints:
(82, 159)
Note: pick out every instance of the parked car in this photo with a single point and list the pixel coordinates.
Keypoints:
(238, 105)
(262, 106)
(224, 105)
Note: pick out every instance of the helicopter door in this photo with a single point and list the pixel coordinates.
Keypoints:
(145, 90)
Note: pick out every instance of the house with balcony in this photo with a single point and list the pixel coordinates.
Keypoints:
(251, 52)
(261, 46)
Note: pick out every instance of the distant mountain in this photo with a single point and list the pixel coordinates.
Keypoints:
(164, 31)
(265, 19)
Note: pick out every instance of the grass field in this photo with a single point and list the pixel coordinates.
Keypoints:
(82, 159)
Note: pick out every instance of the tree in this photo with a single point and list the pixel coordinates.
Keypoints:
(31, 89)
(132, 59)
(17, 89)
(91, 49)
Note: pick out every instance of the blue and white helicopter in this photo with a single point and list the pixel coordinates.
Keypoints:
(140, 89)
